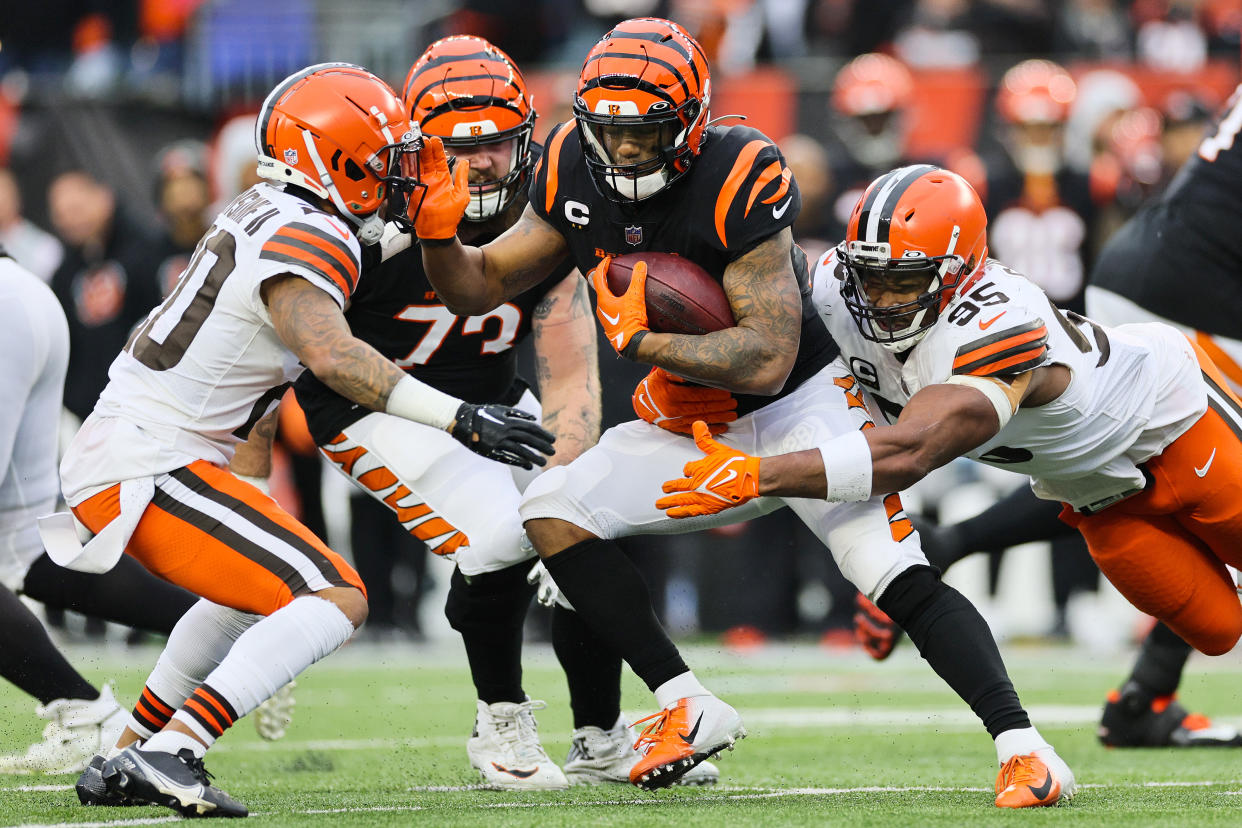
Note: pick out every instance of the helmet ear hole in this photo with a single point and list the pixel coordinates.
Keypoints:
(352, 171)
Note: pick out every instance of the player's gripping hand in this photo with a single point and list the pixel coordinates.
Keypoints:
(624, 317)
(666, 400)
(499, 432)
(441, 196)
(723, 479)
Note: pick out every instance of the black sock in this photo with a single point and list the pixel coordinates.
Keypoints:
(489, 610)
(1161, 661)
(128, 594)
(29, 659)
(592, 670)
(951, 634)
(612, 597)
(1019, 517)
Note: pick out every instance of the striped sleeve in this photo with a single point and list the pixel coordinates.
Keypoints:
(757, 198)
(313, 248)
(1005, 353)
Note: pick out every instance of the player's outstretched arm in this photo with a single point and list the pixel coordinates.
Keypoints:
(311, 324)
(755, 356)
(567, 365)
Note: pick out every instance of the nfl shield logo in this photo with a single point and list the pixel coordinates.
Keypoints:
(633, 234)
(291, 157)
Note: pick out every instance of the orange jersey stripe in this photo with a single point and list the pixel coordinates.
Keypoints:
(553, 157)
(737, 176)
(771, 172)
(334, 248)
(316, 263)
(899, 526)
(1003, 345)
(378, 479)
(1009, 362)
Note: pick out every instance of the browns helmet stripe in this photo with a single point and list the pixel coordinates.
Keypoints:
(882, 198)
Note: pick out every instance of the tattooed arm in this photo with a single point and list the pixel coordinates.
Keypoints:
(253, 458)
(473, 280)
(756, 356)
(568, 367)
(313, 327)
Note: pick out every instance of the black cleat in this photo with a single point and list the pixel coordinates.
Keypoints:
(1135, 718)
(180, 782)
(93, 791)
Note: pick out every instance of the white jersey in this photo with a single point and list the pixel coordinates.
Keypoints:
(207, 364)
(1133, 389)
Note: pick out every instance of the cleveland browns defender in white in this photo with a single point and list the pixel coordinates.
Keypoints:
(261, 298)
(1132, 427)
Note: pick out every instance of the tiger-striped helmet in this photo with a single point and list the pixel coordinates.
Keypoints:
(468, 93)
(646, 75)
(341, 133)
(917, 226)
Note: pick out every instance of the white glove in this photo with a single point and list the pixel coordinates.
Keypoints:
(548, 593)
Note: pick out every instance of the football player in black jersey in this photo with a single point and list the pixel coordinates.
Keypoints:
(641, 169)
(464, 507)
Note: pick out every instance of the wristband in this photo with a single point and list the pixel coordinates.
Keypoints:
(438, 242)
(418, 401)
(847, 467)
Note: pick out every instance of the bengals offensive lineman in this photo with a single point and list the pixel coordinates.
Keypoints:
(146, 474)
(641, 169)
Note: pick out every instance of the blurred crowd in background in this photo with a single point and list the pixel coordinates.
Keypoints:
(125, 126)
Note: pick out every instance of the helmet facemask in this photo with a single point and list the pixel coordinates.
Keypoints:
(897, 327)
(631, 182)
(492, 197)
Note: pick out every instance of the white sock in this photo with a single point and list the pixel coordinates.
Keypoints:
(679, 687)
(271, 653)
(1018, 742)
(196, 645)
(172, 741)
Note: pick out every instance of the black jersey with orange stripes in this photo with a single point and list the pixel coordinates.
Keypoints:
(737, 193)
(1181, 257)
(396, 310)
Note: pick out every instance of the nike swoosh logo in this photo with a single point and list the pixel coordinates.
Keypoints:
(983, 326)
(713, 483)
(612, 320)
(688, 738)
(777, 212)
(519, 773)
(1202, 471)
(1041, 793)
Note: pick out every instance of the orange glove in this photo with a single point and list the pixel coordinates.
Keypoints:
(624, 317)
(674, 404)
(723, 479)
(437, 212)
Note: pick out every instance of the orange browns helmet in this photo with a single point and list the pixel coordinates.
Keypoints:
(871, 84)
(912, 223)
(340, 132)
(649, 74)
(467, 92)
(1036, 91)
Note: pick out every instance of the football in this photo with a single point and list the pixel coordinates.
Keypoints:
(682, 298)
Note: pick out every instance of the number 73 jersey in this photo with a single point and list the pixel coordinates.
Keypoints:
(1133, 388)
(206, 365)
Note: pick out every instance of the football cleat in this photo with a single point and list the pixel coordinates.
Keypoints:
(874, 631)
(92, 790)
(177, 781)
(1034, 780)
(606, 757)
(1134, 718)
(504, 748)
(77, 730)
(682, 736)
(272, 718)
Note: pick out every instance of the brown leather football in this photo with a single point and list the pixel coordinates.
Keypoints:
(682, 298)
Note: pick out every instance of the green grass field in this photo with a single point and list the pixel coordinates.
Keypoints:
(378, 738)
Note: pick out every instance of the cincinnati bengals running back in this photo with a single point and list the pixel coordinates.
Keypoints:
(146, 474)
(1132, 427)
(640, 169)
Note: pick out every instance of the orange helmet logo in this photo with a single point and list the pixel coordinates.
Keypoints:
(614, 109)
(476, 130)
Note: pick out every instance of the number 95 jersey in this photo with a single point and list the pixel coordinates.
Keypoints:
(1133, 388)
(206, 365)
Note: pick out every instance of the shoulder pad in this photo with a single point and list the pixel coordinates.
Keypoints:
(320, 244)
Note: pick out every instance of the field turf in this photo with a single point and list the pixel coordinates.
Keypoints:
(378, 739)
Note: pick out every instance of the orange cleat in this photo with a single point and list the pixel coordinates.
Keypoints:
(873, 629)
(681, 736)
(1026, 782)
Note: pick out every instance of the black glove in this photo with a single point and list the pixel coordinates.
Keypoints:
(499, 432)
